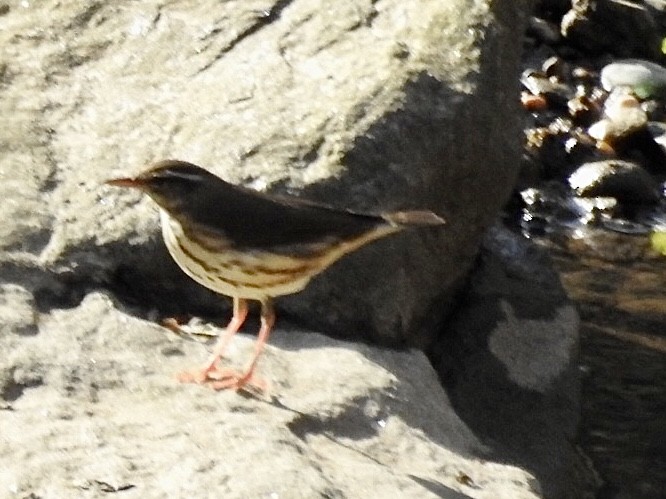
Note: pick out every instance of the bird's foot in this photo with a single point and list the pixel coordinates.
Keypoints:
(228, 379)
(173, 324)
(225, 378)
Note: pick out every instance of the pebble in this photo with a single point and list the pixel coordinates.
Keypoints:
(543, 30)
(538, 83)
(623, 180)
(658, 131)
(645, 78)
(623, 116)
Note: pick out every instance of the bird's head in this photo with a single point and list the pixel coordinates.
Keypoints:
(169, 182)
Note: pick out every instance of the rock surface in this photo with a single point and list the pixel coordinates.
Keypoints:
(644, 77)
(94, 408)
(342, 420)
(625, 181)
(614, 26)
(510, 365)
(370, 106)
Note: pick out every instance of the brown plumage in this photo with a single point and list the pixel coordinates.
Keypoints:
(249, 245)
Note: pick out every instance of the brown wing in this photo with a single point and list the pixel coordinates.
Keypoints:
(254, 220)
(249, 219)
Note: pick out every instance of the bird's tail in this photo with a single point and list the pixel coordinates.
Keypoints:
(396, 222)
(413, 218)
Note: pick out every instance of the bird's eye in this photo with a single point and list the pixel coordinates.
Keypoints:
(169, 180)
(165, 178)
(161, 179)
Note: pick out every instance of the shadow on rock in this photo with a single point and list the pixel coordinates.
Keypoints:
(509, 362)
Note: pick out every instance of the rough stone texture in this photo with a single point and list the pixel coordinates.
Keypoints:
(509, 362)
(370, 105)
(91, 415)
(621, 28)
(343, 419)
(644, 77)
(376, 105)
(625, 181)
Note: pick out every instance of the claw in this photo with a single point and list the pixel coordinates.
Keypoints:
(225, 378)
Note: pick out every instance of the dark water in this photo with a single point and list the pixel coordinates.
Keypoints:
(619, 285)
(623, 357)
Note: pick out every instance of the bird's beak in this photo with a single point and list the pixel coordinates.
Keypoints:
(126, 182)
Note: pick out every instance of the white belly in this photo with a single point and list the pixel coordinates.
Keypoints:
(262, 275)
(256, 275)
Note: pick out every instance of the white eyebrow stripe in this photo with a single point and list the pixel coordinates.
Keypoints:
(184, 176)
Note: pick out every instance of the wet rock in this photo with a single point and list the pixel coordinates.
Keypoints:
(644, 78)
(624, 132)
(552, 208)
(548, 151)
(556, 67)
(580, 147)
(543, 30)
(517, 337)
(538, 83)
(623, 116)
(556, 149)
(622, 28)
(657, 130)
(623, 180)
(552, 9)
(583, 110)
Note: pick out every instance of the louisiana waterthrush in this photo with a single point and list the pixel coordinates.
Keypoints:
(252, 246)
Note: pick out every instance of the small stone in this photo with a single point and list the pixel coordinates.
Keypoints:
(601, 130)
(543, 30)
(533, 102)
(584, 74)
(623, 117)
(625, 181)
(645, 78)
(658, 131)
(555, 67)
(538, 83)
(582, 109)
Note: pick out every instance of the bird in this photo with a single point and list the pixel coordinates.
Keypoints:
(250, 245)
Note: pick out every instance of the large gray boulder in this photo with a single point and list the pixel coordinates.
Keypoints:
(509, 362)
(90, 406)
(341, 420)
(365, 105)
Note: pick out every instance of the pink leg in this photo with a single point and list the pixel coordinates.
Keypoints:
(237, 381)
(267, 322)
(237, 320)
(240, 313)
